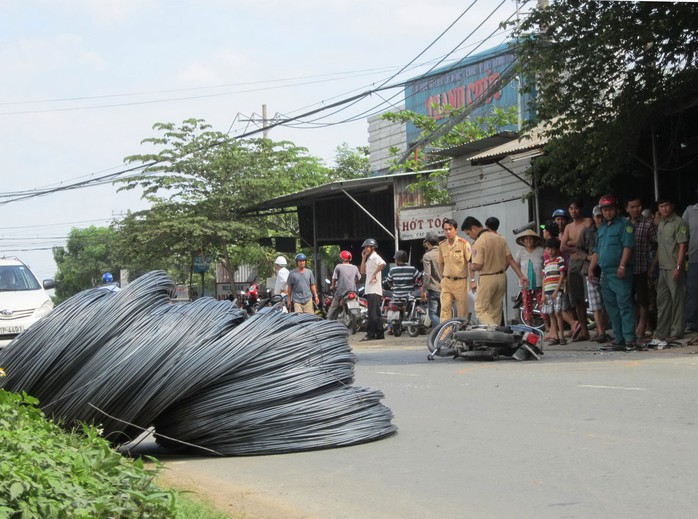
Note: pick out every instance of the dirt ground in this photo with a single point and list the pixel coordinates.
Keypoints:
(236, 501)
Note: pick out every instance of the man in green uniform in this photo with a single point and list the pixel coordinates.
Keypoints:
(672, 240)
(613, 253)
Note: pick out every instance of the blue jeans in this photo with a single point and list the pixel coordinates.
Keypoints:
(434, 307)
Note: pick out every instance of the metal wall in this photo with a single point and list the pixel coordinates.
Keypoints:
(382, 136)
(484, 191)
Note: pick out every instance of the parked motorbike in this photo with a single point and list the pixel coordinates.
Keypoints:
(457, 338)
(249, 299)
(407, 313)
(272, 300)
(350, 312)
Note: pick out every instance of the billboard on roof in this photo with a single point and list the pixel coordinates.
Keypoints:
(461, 84)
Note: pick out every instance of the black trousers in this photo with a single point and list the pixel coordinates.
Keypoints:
(374, 327)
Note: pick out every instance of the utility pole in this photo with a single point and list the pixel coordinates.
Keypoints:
(265, 133)
(254, 118)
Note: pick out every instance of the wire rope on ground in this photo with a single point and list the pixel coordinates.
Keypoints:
(201, 373)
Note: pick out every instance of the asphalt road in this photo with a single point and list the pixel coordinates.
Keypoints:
(579, 434)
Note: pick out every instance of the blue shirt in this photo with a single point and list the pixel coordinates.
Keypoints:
(611, 238)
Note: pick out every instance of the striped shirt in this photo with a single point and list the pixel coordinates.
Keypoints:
(403, 279)
(552, 270)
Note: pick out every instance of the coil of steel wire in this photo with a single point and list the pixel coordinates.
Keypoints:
(201, 373)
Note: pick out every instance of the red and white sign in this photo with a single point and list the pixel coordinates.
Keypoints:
(415, 222)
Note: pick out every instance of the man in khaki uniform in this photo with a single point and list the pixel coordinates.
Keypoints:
(490, 258)
(672, 241)
(454, 255)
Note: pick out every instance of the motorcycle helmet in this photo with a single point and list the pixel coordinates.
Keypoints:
(370, 242)
(400, 255)
(608, 201)
(559, 212)
(107, 278)
(345, 255)
(281, 261)
(300, 257)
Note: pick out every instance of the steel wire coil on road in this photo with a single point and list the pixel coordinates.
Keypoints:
(201, 373)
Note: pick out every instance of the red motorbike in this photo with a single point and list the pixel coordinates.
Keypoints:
(249, 299)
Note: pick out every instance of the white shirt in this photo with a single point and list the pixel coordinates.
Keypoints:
(374, 265)
(281, 279)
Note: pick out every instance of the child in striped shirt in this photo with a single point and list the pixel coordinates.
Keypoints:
(554, 272)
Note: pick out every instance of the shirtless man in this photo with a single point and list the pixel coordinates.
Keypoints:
(575, 278)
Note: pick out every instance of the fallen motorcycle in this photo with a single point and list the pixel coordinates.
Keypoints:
(458, 338)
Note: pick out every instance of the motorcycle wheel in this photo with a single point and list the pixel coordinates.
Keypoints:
(397, 329)
(487, 336)
(441, 338)
(350, 322)
(420, 313)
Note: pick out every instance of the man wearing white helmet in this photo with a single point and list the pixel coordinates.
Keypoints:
(281, 275)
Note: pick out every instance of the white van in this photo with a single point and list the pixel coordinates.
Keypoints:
(23, 301)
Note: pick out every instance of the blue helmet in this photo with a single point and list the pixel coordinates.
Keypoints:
(300, 257)
(107, 278)
(559, 212)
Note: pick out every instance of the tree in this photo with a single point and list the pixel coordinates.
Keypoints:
(199, 181)
(88, 254)
(433, 184)
(351, 163)
(605, 73)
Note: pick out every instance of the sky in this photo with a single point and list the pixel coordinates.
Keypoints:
(84, 81)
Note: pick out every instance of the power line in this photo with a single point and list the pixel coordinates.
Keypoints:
(377, 108)
(43, 225)
(23, 195)
(152, 92)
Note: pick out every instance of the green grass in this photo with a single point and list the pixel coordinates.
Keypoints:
(191, 508)
(46, 472)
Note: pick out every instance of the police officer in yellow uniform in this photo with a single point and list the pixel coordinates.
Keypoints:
(491, 257)
(454, 255)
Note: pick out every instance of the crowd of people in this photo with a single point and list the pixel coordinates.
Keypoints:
(634, 271)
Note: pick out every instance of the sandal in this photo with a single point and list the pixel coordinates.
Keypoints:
(563, 342)
(554, 341)
(581, 338)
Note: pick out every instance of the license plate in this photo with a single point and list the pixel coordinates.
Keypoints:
(7, 330)
(352, 303)
(393, 315)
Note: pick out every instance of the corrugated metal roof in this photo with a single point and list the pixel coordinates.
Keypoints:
(530, 141)
(306, 197)
(477, 146)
